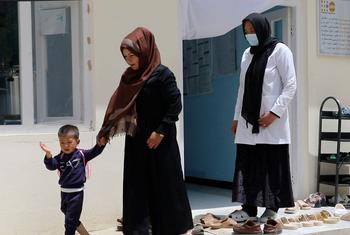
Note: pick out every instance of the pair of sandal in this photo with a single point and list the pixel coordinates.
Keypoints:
(300, 221)
(327, 218)
(212, 221)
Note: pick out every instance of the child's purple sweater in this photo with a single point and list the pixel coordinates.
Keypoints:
(72, 166)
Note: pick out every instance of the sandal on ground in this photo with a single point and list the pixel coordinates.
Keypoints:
(225, 223)
(340, 210)
(241, 216)
(305, 222)
(209, 219)
(312, 218)
(345, 217)
(303, 205)
(292, 210)
(289, 225)
(328, 218)
(215, 222)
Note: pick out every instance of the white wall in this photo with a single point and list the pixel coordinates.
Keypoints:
(30, 196)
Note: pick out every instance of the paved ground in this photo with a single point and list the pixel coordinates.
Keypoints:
(341, 228)
(111, 231)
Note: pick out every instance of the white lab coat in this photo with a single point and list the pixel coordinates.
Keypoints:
(278, 90)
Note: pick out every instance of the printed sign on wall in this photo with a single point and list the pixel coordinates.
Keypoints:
(334, 27)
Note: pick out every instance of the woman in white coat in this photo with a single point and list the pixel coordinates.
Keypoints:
(261, 125)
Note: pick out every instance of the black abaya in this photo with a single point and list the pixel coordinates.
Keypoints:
(154, 189)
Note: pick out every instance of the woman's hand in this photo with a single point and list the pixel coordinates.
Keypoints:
(267, 119)
(234, 127)
(102, 141)
(154, 140)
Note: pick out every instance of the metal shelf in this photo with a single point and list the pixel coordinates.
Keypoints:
(333, 115)
(338, 161)
(333, 136)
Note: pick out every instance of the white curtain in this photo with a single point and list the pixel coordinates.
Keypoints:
(210, 18)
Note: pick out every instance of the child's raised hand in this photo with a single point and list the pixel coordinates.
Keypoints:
(46, 150)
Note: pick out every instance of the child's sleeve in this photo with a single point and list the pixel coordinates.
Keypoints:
(90, 154)
(51, 163)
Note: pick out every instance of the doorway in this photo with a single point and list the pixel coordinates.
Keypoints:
(209, 100)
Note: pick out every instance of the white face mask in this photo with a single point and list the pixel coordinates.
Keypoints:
(252, 39)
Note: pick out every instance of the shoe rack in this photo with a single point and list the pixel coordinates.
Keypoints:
(336, 158)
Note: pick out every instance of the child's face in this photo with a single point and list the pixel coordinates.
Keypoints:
(68, 144)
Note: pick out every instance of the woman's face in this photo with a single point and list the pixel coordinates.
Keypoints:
(131, 59)
(248, 28)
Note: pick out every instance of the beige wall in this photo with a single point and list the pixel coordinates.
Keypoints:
(326, 76)
(30, 196)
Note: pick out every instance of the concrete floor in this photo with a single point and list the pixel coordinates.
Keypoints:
(205, 199)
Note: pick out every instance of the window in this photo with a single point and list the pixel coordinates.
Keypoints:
(41, 82)
(56, 60)
(9, 66)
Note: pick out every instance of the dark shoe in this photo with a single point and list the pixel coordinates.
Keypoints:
(241, 216)
(268, 214)
(272, 226)
(249, 227)
(120, 224)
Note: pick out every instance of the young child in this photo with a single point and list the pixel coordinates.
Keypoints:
(70, 163)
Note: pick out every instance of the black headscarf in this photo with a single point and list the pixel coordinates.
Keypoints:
(254, 76)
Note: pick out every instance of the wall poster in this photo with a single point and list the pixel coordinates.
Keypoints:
(334, 27)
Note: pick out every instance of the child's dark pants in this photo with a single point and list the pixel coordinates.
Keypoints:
(71, 206)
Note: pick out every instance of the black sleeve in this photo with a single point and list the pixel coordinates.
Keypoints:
(92, 153)
(275, 114)
(51, 163)
(171, 95)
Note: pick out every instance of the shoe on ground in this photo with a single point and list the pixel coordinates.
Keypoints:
(268, 214)
(272, 226)
(249, 227)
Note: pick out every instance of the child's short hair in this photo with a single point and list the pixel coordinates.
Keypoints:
(68, 130)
